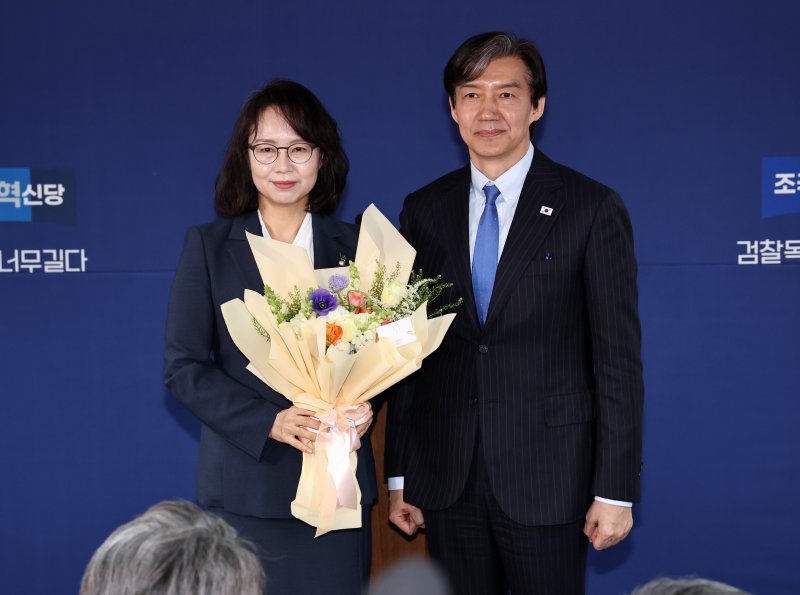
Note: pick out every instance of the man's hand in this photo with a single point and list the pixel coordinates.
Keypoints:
(294, 427)
(407, 517)
(607, 524)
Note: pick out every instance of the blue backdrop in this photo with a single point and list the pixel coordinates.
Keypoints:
(129, 105)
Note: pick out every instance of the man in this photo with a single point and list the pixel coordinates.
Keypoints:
(521, 436)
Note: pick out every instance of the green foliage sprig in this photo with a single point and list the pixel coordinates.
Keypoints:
(284, 309)
(260, 329)
(422, 289)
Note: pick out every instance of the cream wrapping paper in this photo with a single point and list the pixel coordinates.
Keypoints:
(298, 366)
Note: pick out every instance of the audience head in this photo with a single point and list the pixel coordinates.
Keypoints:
(414, 575)
(174, 548)
(686, 586)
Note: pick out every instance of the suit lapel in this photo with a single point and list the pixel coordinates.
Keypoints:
(453, 223)
(239, 249)
(329, 246)
(528, 229)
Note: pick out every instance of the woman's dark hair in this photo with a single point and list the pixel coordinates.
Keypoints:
(473, 56)
(235, 192)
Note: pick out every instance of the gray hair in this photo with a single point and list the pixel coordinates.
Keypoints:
(686, 586)
(174, 548)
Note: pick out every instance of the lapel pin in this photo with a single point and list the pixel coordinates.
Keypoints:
(342, 260)
(546, 210)
(548, 255)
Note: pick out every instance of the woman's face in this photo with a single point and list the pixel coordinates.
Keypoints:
(282, 183)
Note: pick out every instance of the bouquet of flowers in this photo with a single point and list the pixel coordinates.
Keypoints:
(346, 336)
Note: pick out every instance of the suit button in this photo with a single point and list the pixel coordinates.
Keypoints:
(473, 401)
(483, 348)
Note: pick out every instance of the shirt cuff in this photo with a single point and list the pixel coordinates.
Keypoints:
(607, 501)
(395, 483)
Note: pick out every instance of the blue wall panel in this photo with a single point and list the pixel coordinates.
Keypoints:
(673, 104)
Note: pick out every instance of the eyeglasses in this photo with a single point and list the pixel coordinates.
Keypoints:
(297, 152)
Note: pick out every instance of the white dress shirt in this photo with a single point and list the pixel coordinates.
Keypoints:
(510, 186)
(304, 237)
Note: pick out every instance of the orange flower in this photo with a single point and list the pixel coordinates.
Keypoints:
(333, 332)
(360, 310)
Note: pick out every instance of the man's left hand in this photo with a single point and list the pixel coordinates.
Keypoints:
(607, 524)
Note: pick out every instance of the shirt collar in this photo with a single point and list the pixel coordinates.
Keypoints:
(509, 183)
(301, 239)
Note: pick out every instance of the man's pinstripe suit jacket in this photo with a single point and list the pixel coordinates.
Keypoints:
(552, 383)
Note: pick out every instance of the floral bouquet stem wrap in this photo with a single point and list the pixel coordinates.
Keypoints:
(306, 359)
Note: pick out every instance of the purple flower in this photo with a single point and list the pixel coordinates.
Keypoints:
(323, 301)
(338, 282)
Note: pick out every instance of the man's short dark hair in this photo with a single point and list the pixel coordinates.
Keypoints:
(235, 191)
(473, 56)
(174, 548)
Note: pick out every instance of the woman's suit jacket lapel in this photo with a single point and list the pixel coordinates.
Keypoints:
(331, 246)
(239, 249)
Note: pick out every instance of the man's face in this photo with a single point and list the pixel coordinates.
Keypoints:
(493, 113)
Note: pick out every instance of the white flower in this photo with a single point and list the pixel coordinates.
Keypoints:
(364, 339)
(393, 293)
(342, 346)
(337, 314)
(298, 319)
(349, 329)
(363, 321)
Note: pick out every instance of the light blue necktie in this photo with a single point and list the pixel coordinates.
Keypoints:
(484, 256)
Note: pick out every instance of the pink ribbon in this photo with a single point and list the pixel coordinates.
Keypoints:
(338, 443)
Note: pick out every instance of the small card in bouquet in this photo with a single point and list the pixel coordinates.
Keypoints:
(400, 333)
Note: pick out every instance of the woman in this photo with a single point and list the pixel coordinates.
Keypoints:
(284, 172)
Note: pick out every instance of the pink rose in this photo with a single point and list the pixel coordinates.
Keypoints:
(356, 298)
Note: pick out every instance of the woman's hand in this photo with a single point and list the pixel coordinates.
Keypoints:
(293, 426)
(363, 411)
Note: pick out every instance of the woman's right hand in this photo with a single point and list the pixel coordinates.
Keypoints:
(294, 426)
